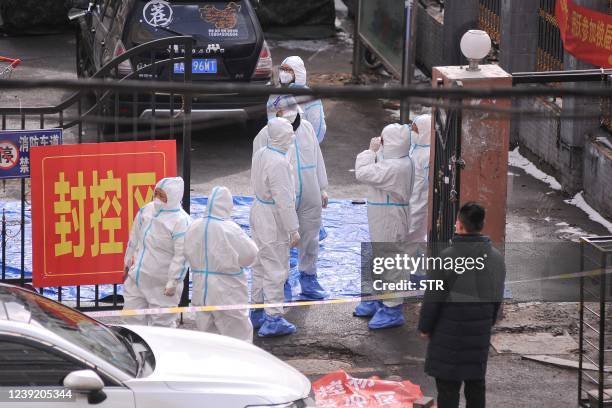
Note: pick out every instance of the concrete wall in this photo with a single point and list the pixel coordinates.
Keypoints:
(598, 173)
(430, 33)
(519, 35)
(459, 16)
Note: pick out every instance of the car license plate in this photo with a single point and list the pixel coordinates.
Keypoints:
(199, 66)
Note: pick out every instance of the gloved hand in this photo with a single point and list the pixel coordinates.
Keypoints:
(171, 288)
(375, 144)
(324, 198)
(294, 239)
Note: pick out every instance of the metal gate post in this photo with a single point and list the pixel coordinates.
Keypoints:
(409, 53)
(186, 156)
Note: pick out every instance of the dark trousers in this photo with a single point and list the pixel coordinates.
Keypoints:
(448, 393)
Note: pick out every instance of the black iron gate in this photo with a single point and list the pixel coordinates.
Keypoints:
(95, 116)
(446, 174)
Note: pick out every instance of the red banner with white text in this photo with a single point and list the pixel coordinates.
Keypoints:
(84, 200)
(586, 34)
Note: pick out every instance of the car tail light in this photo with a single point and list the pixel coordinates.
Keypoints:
(263, 70)
(125, 68)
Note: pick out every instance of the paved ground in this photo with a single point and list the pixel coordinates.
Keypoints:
(329, 337)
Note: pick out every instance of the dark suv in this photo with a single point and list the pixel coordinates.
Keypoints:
(229, 47)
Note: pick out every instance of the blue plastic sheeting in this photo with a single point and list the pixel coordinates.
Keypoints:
(339, 257)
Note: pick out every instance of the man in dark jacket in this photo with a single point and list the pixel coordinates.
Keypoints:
(458, 320)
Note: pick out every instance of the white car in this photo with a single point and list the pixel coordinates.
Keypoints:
(52, 353)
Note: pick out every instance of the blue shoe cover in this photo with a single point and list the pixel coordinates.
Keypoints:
(257, 318)
(387, 317)
(275, 326)
(311, 289)
(322, 233)
(367, 308)
(288, 292)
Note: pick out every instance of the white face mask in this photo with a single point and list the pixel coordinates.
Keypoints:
(158, 204)
(285, 77)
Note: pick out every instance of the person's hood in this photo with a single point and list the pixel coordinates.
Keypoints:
(423, 137)
(286, 103)
(280, 133)
(396, 141)
(299, 69)
(472, 245)
(174, 187)
(220, 203)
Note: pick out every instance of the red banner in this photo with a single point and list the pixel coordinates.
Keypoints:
(84, 200)
(338, 389)
(586, 34)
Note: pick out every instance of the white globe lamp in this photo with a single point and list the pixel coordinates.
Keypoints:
(475, 46)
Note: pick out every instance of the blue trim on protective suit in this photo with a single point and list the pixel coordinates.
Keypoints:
(261, 200)
(279, 151)
(206, 270)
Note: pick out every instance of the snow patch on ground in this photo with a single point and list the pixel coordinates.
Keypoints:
(513, 174)
(580, 202)
(516, 159)
(572, 233)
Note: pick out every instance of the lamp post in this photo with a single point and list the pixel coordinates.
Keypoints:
(475, 46)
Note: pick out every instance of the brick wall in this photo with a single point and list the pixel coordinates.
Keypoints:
(598, 173)
(538, 136)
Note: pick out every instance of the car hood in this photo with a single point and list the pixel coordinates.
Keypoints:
(189, 360)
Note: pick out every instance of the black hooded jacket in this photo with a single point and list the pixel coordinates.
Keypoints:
(459, 319)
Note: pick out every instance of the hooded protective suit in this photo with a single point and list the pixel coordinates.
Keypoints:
(419, 153)
(310, 177)
(312, 109)
(155, 256)
(273, 215)
(217, 249)
(390, 178)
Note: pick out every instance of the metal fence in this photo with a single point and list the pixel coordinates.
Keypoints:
(549, 54)
(446, 172)
(489, 20)
(107, 115)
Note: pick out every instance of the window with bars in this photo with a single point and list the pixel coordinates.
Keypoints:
(549, 54)
(489, 18)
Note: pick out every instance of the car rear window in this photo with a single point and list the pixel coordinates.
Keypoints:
(215, 20)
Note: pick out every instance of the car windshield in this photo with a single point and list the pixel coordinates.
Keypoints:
(28, 307)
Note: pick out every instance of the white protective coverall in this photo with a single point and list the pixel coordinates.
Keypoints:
(312, 109)
(273, 216)
(390, 178)
(310, 177)
(155, 255)
(217, 249)
(419, 153)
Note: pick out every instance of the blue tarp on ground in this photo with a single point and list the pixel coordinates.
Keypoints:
(339, 258)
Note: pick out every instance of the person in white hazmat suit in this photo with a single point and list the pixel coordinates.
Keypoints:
(390, 175)
(419, 153)
(310, 178)
(274, 224)
(292, 73)
(154, 260)
(217, 249)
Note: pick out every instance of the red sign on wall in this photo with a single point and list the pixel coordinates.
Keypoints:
(84, 200)
(586, 34)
